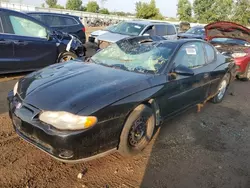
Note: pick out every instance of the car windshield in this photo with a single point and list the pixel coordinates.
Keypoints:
(136, 57)
(230, 41)
(110, 28)
(196, 31)
(127, 28)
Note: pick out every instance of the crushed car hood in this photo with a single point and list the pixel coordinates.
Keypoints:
(227, 30)
(75, 85)
(111, 37)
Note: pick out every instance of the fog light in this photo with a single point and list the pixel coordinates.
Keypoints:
(66, 154)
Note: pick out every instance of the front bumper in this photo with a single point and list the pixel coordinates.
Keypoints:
(66, 146)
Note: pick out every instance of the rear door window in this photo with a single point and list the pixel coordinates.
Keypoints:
(70, 21)
(37, 16)
(161, 30)
(53, 21)
(171, 30)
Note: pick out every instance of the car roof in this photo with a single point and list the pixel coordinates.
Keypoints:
(144, 22)
(52, 13)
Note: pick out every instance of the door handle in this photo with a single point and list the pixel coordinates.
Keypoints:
(21, 43)
(206, 75)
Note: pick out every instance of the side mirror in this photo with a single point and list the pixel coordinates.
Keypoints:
(183, 70)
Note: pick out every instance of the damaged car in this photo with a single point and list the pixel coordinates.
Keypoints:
(79, 110)
(27, 44)
(233, 40)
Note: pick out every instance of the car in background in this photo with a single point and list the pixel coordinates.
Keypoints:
(93, 36)
(127, 29)
(119, 98)
(196, 32)
(62, 22)
(27, 44)
(233, 40)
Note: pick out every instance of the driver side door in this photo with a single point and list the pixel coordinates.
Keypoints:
(184, 91)
(32, 49)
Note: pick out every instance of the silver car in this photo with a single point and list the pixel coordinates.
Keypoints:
(137, 28)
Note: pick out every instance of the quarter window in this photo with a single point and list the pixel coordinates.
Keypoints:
(191, 55)
(25, 27)
(161, 30)
(210, 53)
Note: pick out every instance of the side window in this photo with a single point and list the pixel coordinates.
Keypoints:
(210, 53)
(191, 55)
(69, 21)
(150, 30)
(171, 30)
(1, 26)
(25, 27)
(53, 21)
(37, 16)
(161, 30)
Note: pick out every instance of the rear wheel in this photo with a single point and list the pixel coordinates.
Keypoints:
(138, 131)
(67, 56)
(222, 89)
(246, 76)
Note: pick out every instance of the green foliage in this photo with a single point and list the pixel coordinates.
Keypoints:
(222, 10)
(51, 3)
(148, 11)
(83, 8)
(92, 6)
(74, 4)
(241, 12)
(104, 11)
(59, 6)
(203, 10)
(184, 10)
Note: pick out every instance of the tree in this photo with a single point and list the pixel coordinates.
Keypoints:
(59, 6)
(92, 6)
(51, 3)
(184, 10)
(241, 13)
(148, 10)
(222, 10)
(104, 11)
(74, 4)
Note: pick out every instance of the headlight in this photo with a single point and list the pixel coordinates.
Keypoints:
(67, 121)
(239, 54)
(15, 89)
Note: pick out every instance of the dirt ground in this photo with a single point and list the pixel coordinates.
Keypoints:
(209, 149)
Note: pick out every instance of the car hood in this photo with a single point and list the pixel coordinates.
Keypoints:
(98, 32)
(111, 37)
(227, 30)
(75, 85)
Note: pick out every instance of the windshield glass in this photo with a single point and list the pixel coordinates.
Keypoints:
(131, 56)
(230, 41)
(110, 28)
(127, 28)
(196, 31)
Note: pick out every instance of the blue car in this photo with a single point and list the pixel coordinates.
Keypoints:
(197, 32)
(27, 44)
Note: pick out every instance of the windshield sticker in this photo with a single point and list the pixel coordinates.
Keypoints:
(137, 27)
(191, 51)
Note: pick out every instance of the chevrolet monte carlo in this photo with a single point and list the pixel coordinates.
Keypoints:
(117, 99)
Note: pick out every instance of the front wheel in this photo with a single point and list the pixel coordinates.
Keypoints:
(222, 89)
(67, 56)
(138, 130)
(247, 74)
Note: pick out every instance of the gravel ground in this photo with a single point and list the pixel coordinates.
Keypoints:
(209, 149)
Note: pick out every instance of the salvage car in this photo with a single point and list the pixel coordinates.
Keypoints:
(232, 39)
(93, 36)
(196, 32)
(137, 28)
(118, 98)
(27, 44)
(62, 22)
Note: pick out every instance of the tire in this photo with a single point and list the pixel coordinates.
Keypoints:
(138, 131)
(221, 89)
(246, 76)
(66, 56)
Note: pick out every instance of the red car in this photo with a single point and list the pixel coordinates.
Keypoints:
(233, 40)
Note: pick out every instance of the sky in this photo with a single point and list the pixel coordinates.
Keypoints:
(167, 7)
